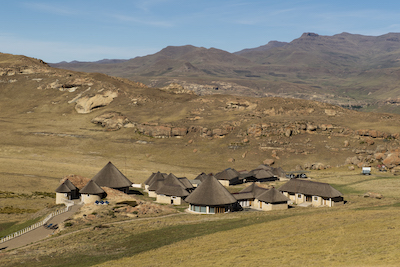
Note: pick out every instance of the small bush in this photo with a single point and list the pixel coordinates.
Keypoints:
(68, 224)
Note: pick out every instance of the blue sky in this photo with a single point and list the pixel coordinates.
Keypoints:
(90, 30)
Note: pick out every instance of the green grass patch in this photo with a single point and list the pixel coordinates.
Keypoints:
(11, 227)
(133, 244)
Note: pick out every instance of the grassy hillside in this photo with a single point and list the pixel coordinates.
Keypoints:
(360, 233)
(44, 138)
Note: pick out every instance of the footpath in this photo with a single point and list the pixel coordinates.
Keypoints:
(39, 233)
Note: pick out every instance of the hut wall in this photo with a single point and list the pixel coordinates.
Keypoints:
(317, 201)
(152, 194)
(224, 182)
(169, 199)
(89, 199)
(61, 198)
(270, 206)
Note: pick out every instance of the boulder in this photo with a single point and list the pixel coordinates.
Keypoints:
(330, 112)
(179, 131)
(86, 104)
(392, 160)
(373, 195)
(269, 162)
(111, 120)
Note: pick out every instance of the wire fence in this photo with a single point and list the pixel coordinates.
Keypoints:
(34, 226)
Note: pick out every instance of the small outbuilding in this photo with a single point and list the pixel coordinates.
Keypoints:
(91, 193)
(261, 198)
(211, 197)
(310, 193)
(154, 176)
(174, 190)
(228, 177)
(66, 191)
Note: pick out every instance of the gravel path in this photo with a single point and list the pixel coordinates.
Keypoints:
(39, 233)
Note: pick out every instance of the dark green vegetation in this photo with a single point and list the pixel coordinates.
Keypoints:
(354, 71)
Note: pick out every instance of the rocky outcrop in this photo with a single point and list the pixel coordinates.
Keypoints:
(161, 131)
(111, 121)
(86, 104)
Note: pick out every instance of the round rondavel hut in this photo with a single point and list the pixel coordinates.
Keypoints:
(65, 192)
(111, 177)
(91, 193)
(211, 197)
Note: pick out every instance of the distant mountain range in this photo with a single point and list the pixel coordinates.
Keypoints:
(351, 70)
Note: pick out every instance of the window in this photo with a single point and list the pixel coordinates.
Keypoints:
(212, 210)
(203, 209)
(299, 195)
(315, 198)
(197, 208)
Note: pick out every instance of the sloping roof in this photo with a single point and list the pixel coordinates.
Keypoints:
(154, 176)
(252, 191)
(185, 181)
(279, 172)
(111, 177)
(172, 187)
(310, 188)
(92, 188)
(272, 196)
(210, 193)
(156, 182)
(243, 196)
(262, 173)
(264, 167)
(70, 185)
(201, 176)
(147, 182)
(63, 188)
(227, 174)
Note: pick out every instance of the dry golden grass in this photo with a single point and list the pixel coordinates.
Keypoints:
(334, 238)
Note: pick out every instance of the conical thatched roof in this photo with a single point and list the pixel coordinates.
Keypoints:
(264, 167)
(210, 193)
(227, 174)
(172, 187)
(70, 185)
(254, 189)
(157, 182)
(111, 177)
(310, 188)
(201, 176)
(272, 196)
(154, 176)
(92, 188)
(185, 181)
(63, 188)
(262, 174)
(279, 172)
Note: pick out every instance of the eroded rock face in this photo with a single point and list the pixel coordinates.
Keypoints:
(112, 121)
(161, 131)
(86, 104)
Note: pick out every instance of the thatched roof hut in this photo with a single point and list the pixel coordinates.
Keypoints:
(308, 187)
(111, 177)
(211, 197)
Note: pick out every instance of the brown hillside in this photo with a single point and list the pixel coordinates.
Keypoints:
(351, 70)
(54, 115)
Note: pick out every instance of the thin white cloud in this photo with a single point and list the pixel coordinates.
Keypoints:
(52, 9)
(141, 20)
